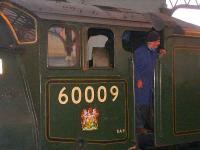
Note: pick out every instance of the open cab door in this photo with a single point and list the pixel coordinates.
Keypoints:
(177, 95)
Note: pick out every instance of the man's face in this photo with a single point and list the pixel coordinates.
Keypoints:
(154, 44)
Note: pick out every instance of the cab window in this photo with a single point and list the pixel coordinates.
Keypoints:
(22, 24)
(100, 48)
(131, 40)
(63, 47)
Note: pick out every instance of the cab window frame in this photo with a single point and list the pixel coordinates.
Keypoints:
(110, 29)
(78, 45)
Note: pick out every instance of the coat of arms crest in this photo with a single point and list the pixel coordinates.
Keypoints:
(89, 119)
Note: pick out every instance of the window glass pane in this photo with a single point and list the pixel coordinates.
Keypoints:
(131, 40)
(63, 50)
(22, 24)
(100, 48)
(5, 32)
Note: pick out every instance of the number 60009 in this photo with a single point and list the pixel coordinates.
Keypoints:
(89, 92)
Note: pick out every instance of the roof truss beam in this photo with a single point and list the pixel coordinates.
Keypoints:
(176, 4)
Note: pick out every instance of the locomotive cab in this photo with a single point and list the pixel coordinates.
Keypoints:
(67, 77)
(75, 87)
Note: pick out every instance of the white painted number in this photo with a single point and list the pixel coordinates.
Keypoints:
(114, 91)
(62, 97)
(91, 89)
(76, 94)
(78, 90)
(102, 90)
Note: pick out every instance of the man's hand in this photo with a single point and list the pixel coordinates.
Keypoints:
(162, 52)
(139, 84)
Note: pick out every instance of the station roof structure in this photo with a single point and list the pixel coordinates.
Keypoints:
(176, 4)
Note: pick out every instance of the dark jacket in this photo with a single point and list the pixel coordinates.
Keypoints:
(145, 61)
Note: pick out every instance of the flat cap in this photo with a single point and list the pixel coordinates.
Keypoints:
(153, 36)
